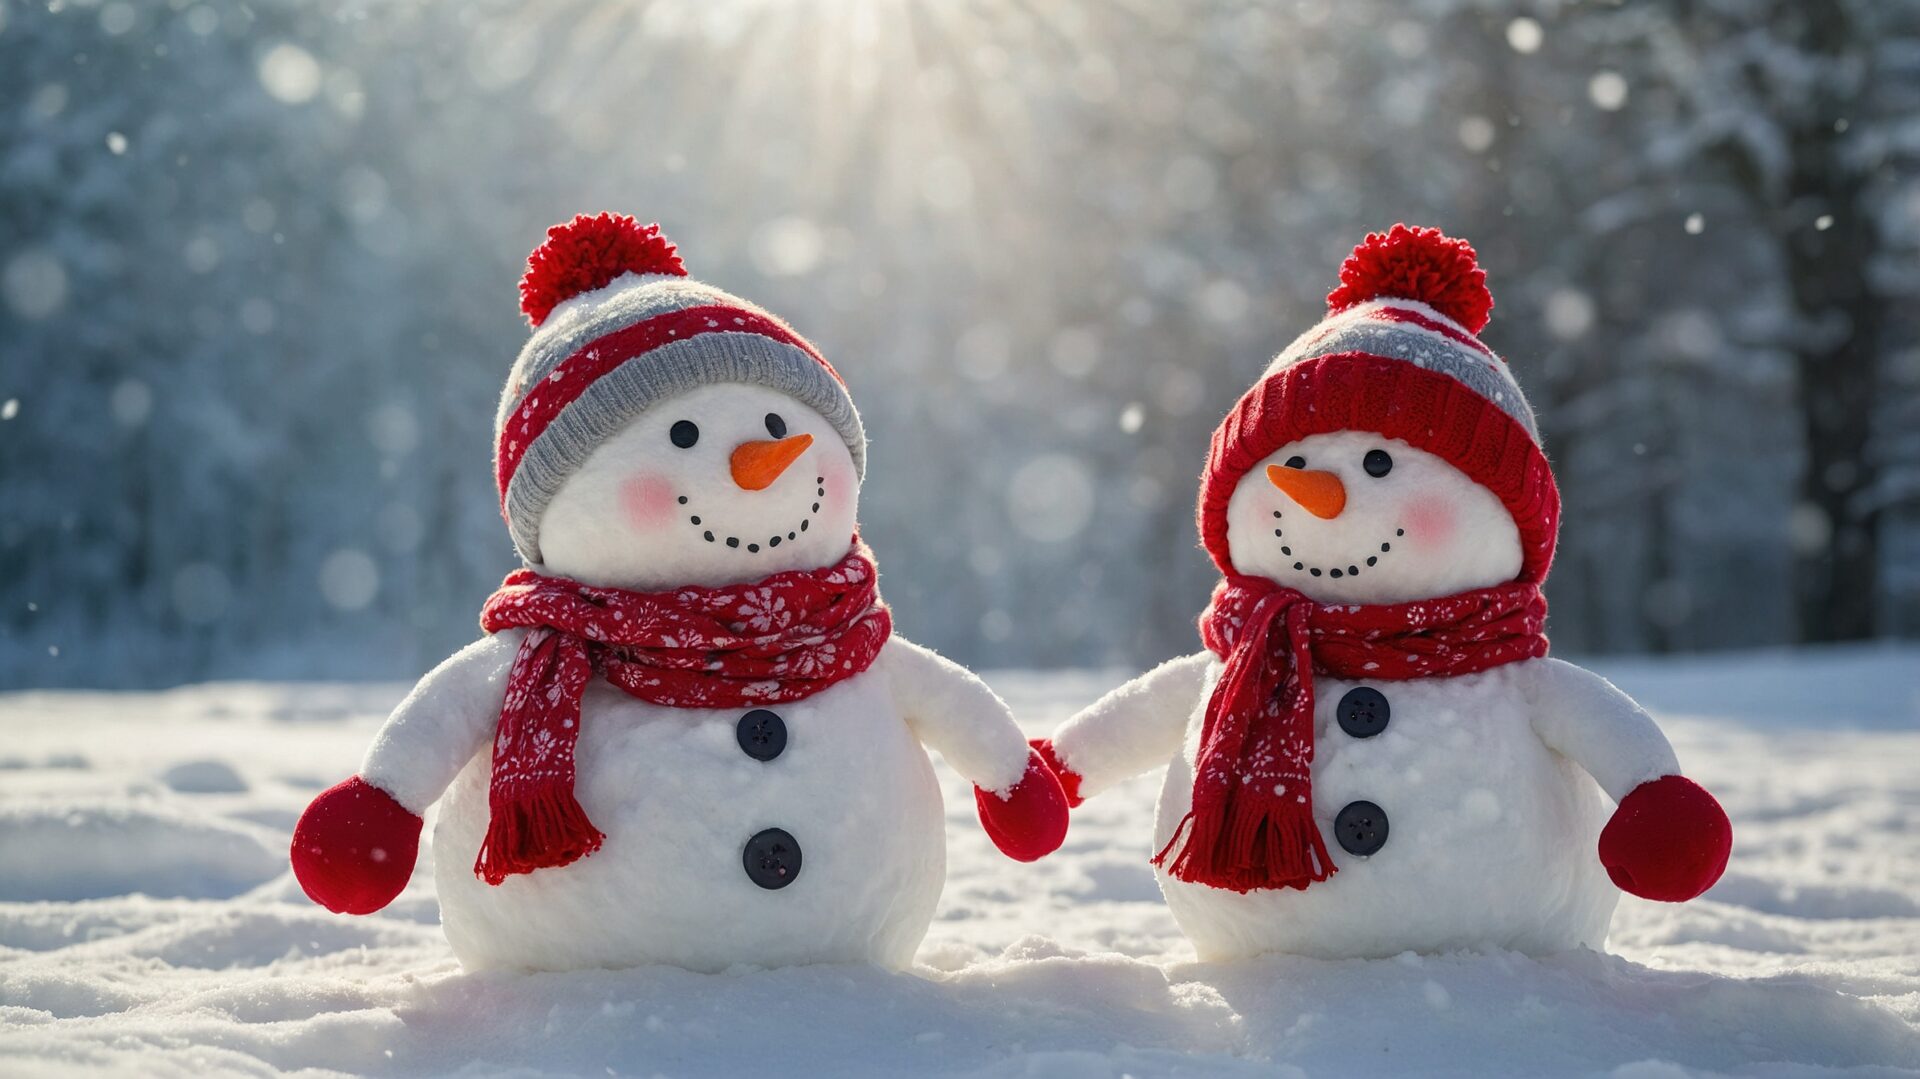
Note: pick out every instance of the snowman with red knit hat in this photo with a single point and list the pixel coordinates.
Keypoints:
(1373, 753)
(689, 735)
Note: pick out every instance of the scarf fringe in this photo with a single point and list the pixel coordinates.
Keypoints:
(782, 638)
(1258, 848)
(544, 830)
(1251, 825)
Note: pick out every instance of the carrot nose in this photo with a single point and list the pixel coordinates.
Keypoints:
(757, 464)
(1319, 493)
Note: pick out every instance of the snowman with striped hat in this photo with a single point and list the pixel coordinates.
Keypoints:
(1373, 753)
(689, 735)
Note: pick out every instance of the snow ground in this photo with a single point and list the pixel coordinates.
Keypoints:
(148, 925)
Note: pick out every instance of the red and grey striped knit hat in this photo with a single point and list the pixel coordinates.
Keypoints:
(619, 327)
(1397, 355)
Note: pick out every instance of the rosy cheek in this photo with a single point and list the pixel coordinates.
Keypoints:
(1429, 521)
(648, 501)
(839, 482)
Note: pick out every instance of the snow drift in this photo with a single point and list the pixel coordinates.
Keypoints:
(151, 928)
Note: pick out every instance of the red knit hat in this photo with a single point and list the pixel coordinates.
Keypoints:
(1397, 355)
(619, 327)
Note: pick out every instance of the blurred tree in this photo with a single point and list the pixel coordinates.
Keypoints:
(257, 265)
(1805, 110)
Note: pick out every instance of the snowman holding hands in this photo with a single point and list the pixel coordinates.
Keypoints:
(690, 735)
(1373, 753)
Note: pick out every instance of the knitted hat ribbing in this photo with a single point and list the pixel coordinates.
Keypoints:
(1397, 355)
(619, 327)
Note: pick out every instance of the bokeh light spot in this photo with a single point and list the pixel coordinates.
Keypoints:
(201, 593)
(787, 246)
(1524, 35)
(349, 579)
(1050, 498)
(290, 74)
(1607, 90)
(1569, 313)
(34, 283)
(131, 402)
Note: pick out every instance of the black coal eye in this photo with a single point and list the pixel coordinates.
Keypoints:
(684, 434)
(1296, 462)
(776, 426)
(1377, 463)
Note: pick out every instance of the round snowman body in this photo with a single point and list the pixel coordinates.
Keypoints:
(1489, 836)
(681, 795)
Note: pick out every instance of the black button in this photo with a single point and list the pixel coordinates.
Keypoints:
(1363, 712)
(772, 858)
(762, 734)
(1361, 828)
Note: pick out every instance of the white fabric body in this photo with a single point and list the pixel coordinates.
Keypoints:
(672, 788)
(1494, 784)
(1490, 834)
(678, 799)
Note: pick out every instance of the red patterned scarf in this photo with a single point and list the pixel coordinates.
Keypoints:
(1251, 825)
(781, 638)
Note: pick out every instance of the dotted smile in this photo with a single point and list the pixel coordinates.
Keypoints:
(1351, 570)
(1322, 494)
(819, 493)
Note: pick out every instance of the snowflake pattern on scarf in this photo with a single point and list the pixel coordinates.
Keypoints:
(1251, 825)
(783, 638)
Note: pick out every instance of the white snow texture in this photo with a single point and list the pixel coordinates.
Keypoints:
(149, 925)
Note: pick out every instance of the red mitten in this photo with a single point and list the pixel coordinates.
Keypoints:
(354, 847)
(1668, 840)
(1031, 821)
(1069, 779)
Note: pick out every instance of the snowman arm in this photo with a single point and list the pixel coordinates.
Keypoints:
(1584, 718)
(438, 728)
(950, 709)
(1134, 728)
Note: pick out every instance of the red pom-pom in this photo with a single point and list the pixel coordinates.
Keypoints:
(588, 252)
(1416, 264)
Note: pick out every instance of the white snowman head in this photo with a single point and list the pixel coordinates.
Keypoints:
(1387, 455)
(721, 484)
(658, 432)
(1353, 517)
